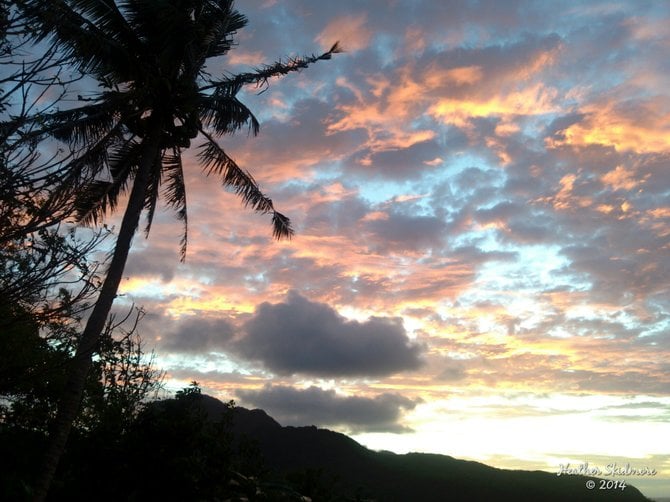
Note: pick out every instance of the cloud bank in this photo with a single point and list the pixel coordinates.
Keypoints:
(299, 336)
(325, 408)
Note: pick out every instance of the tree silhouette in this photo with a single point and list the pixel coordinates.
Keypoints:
(148, 58)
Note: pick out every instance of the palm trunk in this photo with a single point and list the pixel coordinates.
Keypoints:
(69, 404)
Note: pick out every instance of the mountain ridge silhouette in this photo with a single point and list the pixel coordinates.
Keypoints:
(353, 472)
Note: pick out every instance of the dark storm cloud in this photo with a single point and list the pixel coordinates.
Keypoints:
(197, 335)
(300, 336)
(315, 406)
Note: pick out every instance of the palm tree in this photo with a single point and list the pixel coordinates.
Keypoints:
(148, 57)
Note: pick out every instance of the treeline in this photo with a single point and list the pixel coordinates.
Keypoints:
(169, 449)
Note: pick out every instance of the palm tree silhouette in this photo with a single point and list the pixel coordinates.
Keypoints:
(148, 58)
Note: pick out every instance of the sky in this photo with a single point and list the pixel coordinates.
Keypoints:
(481, 262)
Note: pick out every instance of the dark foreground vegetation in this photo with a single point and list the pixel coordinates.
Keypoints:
(196, 448)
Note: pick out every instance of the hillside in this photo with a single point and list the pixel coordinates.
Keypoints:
(331, 466)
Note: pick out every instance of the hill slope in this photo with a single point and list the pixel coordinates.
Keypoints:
(331, 466)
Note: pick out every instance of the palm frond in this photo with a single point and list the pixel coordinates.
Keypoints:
(281, 226)
(151, 194)
(175, 193)
(95, 197)
(182, 33)
(80, 126)
(226, 114)
(108, 17)
(163, 30)
(263, 74)
(88, 46)
(83, 126)
(220, 23)
(92, 201)
(215, 161)
(72, 177)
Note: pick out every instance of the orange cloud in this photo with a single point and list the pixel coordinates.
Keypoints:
(385, 120)
(620, 179)
(643, 128)
(394, 102)
(537, 64)
(415, 40)
(375, 216)
(536, 99)
(661, 212)
(649, 30)
(215, 304)
(349, 30)
(659, 221)
(507, 128)
(239, 57)
(462, 75)
(565, 199)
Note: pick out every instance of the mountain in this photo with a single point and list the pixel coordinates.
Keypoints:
(327, 465)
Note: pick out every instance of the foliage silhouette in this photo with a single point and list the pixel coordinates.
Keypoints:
(32, 378)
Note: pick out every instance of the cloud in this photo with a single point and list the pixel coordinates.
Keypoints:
(399, 231)
(304, 337)
(159, 262)
(533, 100)
(326, 408)
(350, 30)
(620, 179)
(633, 125)
(298, 120)
(453, 370)
(198, 335)
(401, 163)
